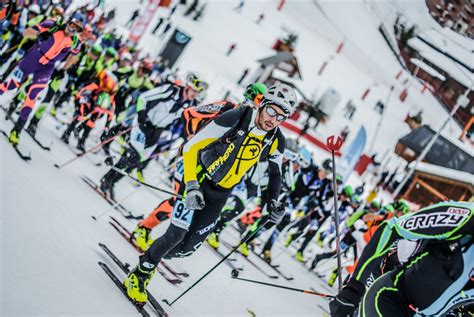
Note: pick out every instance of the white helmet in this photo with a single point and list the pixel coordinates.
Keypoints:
(194, 81)
(282, 96)
(126, 56)
(34, 8)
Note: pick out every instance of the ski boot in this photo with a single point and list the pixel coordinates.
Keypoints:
(299, 257)
(14, 138)
(318, 239)
(107, 188)
(213, 240)
(53, 111)
(66, 134)
(106, 149)
(317, 258)
(288, 240)
(140, 176)
(142, 238)
(244, 249)
(137, 281)
(267, 256)
(80, 145)
(332, 277)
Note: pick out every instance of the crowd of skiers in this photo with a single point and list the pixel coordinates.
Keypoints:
(234, 166)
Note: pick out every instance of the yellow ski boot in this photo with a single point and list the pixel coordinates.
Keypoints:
(299, 257)
(14, 138)
(137, 281)
(142, 238)
(244, 249)
(213, 240)
(288, 240)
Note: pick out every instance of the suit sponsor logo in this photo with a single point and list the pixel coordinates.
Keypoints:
(206, 229)
(433, 220)
(460, 211)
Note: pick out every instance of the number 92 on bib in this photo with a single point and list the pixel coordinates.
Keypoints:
(182, 217)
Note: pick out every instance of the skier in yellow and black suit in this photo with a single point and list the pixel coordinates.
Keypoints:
(215, 160)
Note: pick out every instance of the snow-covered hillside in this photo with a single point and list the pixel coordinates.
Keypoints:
(49, 242)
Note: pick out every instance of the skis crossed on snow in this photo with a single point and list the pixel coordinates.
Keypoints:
(126, 234)
(158, 309)
(117, 206)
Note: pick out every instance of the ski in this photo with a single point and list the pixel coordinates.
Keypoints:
(124, 267)
(172, 271)
(24, 157)
(117, 206)
(230, 247)
(165, 265)
(120, 285)
(127, 237)
(41, 145)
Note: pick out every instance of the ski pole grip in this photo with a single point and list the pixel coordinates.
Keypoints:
(334, 145)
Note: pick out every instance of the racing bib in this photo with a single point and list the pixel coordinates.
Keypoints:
(182, 217)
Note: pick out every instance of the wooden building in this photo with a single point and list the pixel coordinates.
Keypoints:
(431, 184)
(285, 62)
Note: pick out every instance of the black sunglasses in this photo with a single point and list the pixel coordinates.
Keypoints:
(273, 113)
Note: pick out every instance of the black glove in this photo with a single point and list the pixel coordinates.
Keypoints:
(346, 302)
(194, 199)
(276, 210)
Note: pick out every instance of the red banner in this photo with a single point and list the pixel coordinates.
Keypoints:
(141, 23)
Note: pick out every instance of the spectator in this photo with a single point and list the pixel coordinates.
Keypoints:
(244, 74)
(191, 8)
(240, 6)
(344, 133)
(132, 18)
(157, 26)
(232, 47)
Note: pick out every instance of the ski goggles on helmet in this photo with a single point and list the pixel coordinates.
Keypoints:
(290, 155)
(274, 114)
(257, 100)
(74, 28)
(198, 85)
(303, 162)
(195, 83)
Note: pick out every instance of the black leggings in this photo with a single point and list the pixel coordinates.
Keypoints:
(235, 208)
(384, 299)
(128, 161)
(179, 242)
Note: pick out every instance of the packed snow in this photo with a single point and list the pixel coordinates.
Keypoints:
(49, 240)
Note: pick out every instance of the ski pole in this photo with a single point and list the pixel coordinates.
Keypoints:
(147, 185)
(218, 263)
(235, 276)
(92, 149)
(335, 146)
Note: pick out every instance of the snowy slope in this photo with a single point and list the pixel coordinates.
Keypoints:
(50, 252)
